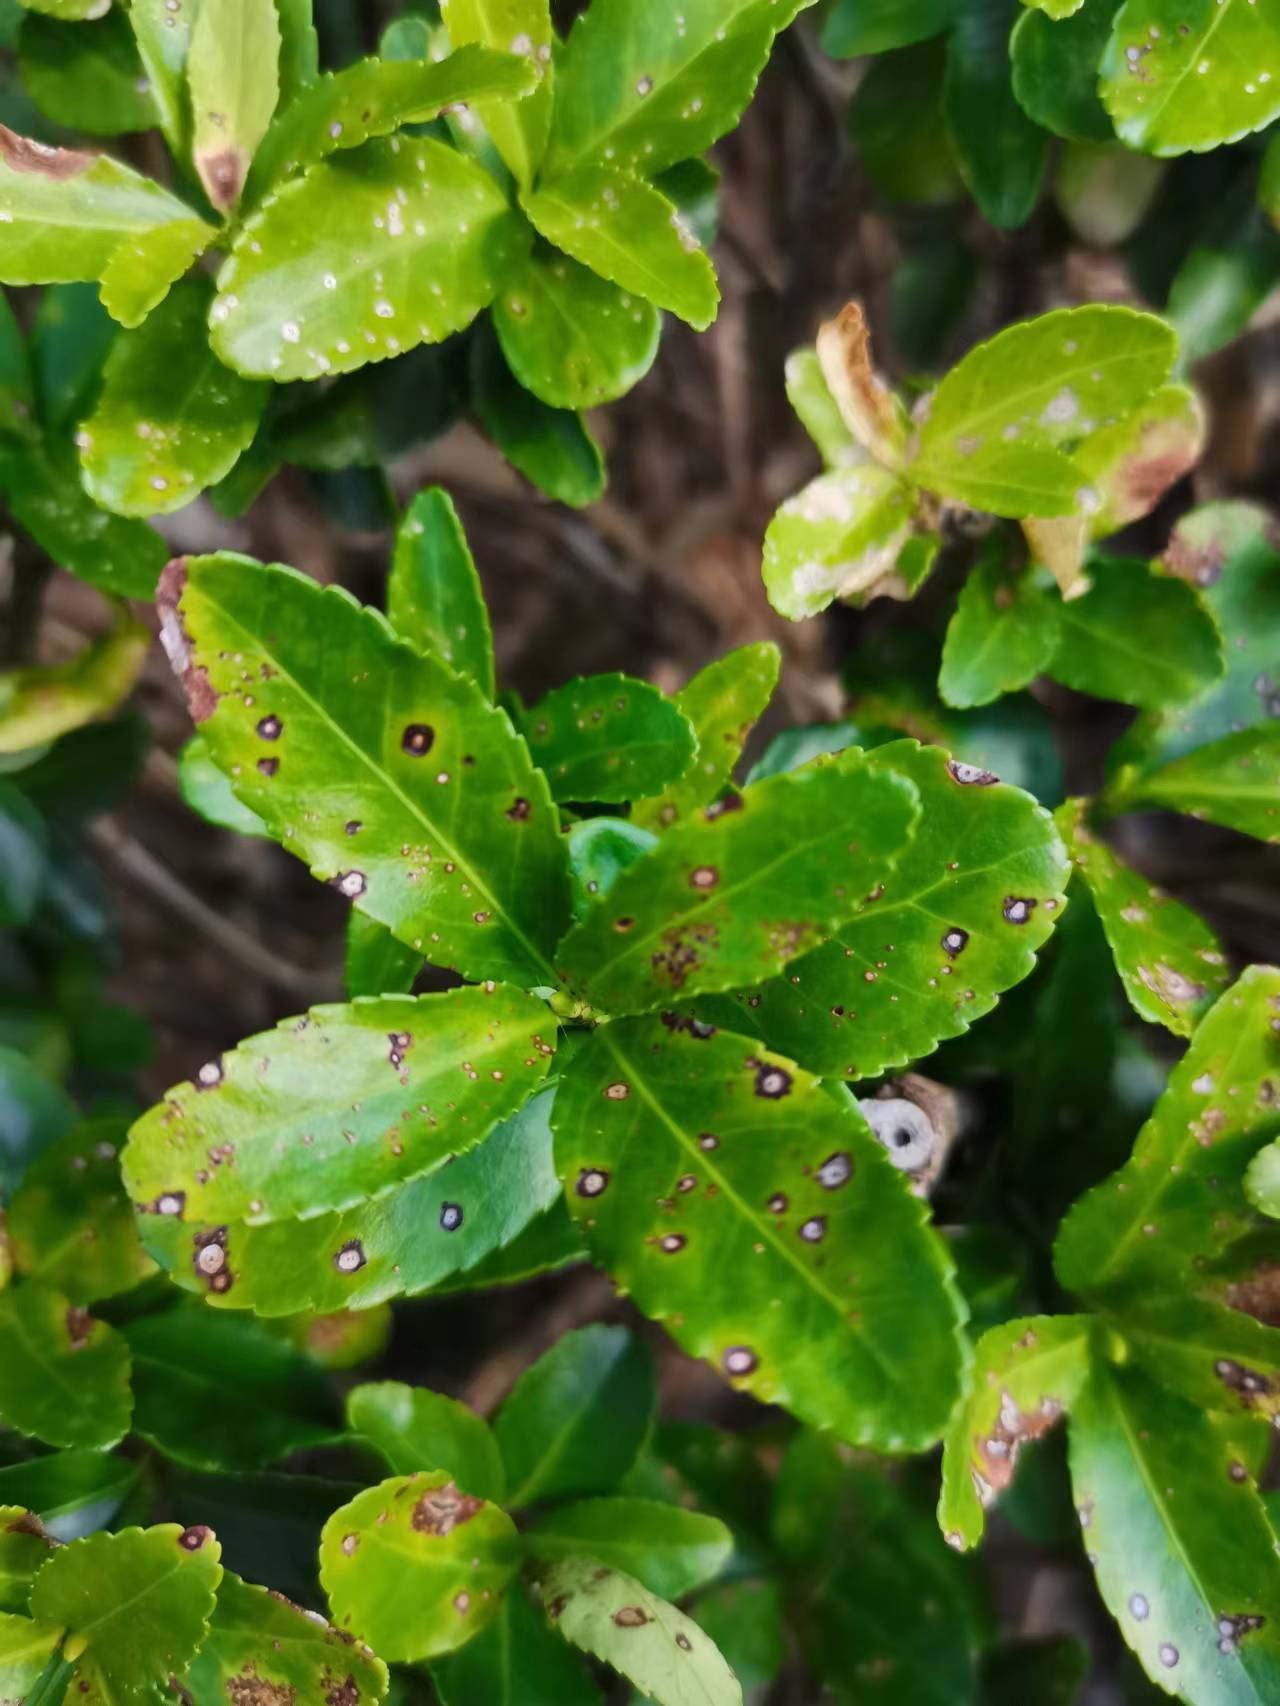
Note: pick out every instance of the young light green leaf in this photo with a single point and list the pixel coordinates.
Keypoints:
(936, 941)
(734, 897)
(671, 1551)
(653, 1645)
(416, 1566)
(257, 1640)
(1234, 781)
(1219, 1359)
(1182, 1195)
(1000, 152)
(39, 703)
(334, 1108)
(233, 77)
(550, 447)
(574, 1422)
(1140, 637)
(608, 738)
(171, 419)
(376, 963)
(627, 231)
(818, 411)
(70, 1223)
(365, 255)
(570, 336)
(600, 850)
(647, 87)
(1169, 960)
(415, 1429)
(1055, 70)
(1002, 635)
(163, 35)
(1184, 1556)
(142, 270)
(1131, 465)
(483, 885)
(855, 27)
(26, 1648)
(208, 792)
(515, 1661)
(767, 1187)
(1025, 1374)
(840, 537)
(136, 1606)
(521, 27)
(88, 76)
(1192, 88)
(434, 597)
(24, 1549)
(62, 213)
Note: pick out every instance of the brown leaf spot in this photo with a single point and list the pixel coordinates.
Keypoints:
(418, 739)
(442, 1509)
(193, 1538)
(592, 1182)
(1246, 1382)
(21, 154)
(681, 950)
(704, 877)
(257, 1691)
(518, 810)
(202, 700)
(718, 808)
(997, 1451)
(223, 175)
(772, 1082)
(630, 1617)
(970, 775)
(79, 1327)
(344, 1693)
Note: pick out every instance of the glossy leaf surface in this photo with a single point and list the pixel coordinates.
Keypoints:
(375, 963)
(671, 1551)
(141, 270)
(608, 738)
(65, 1376)
(434, 597)
(415, 1429)
(552, 448)
(1055, 70)
(87, 78)
(518, 27)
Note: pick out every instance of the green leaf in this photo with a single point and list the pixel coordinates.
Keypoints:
(64, 212)
(745, 1620)
(997, 421)
(1233, 781)
(955, 923)
(840, 537)
(87, 76)
(515, 1661)
(1025, 1374)
(484, 884)
(1130, 466)
(795, 747)
(208, 792)
(1002, 635)
(1169, 960)
(375, 962)
(71, 336)
(855, 27)
(1140, 637)
(671, 1551)
(1000, 152)
(1218, 1358)
(818, 411)
(260, 1642)
(25, 1649)
(722, 702)
(648, 1641)
(1049, 1669)
(70, 1223)
(23, 852)
(1181, 1195)
(735, 897)
(233, 78)
(142, 270)
(1191, 88)
(299, 48)
(136, 1606)
(628, 232)
(24, 1549)
(1055, 69)
(71, 1490)
(896, 124)
(221, 1392)
(713, 1178)
(608, 738)
(415, 1429)
(415, 1566)
(429, 1077)
(571, 337)
(404, 1242)
(434, 597)
(170, 419)
(365, 255)
(33, 1113)
(163, 35)
(1183, 1553)
(600, 850)
(550, 447)
(575, 1420)
(42, 702)
(521, 27)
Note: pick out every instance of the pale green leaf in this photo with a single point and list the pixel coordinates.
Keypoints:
(86, 77)
(838, 538)
(162, 29)
(415, 1566)
(819, 413)
(671, 1551)
(608, 738)
(233, 78)
(208, 792)
(1002, 635)
(521, 27)
(1055, 8)
(622, 228)
(26, 1648)
(1234, 781)
(415, 1429)
(434, 597)
(1104, 192)
(41, 702)
(71, 11)
(141, 271)
(752, 1211)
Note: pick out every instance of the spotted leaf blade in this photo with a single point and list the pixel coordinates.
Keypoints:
(434, 598)
(1025, 1374)
(936, 940)
(1131, 465)
(233, 78)
(391, 776)
(64, 1377)
(1218, 1358)
(608, 738)
(414, 1429)
(337, 1107)
(755, 1214)
(1184, 1556)
(734, 897)
(415, 1566)
(837, 538)
(365, 255)
(1169, 960)
(1181, 1195)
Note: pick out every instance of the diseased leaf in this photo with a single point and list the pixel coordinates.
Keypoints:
(39, 703)
(735, 897)
(1148, 1222)
(1000, 152)
(608, 738)
(1169, 960)
(1131, 465)
(233, 77)
(483, 883)
(600, 850)
(722, 702)
(363, 256)
(136, 1606)
(875, 417)
(208, 792)
(574, 1422)
(434, 597)
(1002, 635)
(416, 1566)
(1055, 69)
(142, 269)
(627, 231)
(712, 1178)
(1218, 1358)
(375, 962)
(514, 1661)
(955, 923)
(550, 447)
(671, 1551)
(87, 77)
(429, 1077)
(1183, 1553)
(521, 27)
(818, 411)
(648, 1641)
(1234, 781)
(839, 537)
(415, 1429)
(1025, 1374)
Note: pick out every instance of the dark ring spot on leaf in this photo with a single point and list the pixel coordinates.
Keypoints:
(672, 1242)
(592, 1181)
(624, 924)
(617, 1092)
(740, 1360)
(772, 1082)
(353, 826)
(450, 1216)
(814, 1230)
(442, 1509)
(268, 766)
(954, 941)
(717, 808)
(518, 811)
(704, 877)
(970, 775)
(418, 739)
(835, 1171)
(630, 1617)
(1017, 910)
(683, 1642)
(778, 1203)
(193, 1538)
(269, 728)
(351, 1258)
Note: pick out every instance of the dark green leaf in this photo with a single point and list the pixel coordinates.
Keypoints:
(672, 1551)
(434, 597)
(87, 76)
(854, 27)
(1000, 152)
(745, 1620)
(415, 1429)
(33, 1113)
(376, 963)
(1055, 70)
(550, 447)
(64, 1377)
(1002, 635)
(896, 124)
(70, 338)
(1234, 781)
(23, 848)
(795, 747)
(608, 738)
(1049, 1669)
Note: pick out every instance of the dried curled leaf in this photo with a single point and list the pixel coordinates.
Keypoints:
(871, 412)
